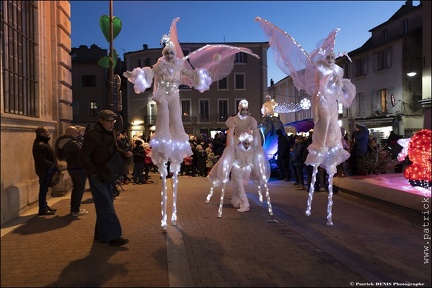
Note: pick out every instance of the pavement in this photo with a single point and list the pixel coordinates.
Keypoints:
(372, 242)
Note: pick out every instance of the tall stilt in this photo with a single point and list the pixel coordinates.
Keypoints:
(175, 168)
(270, 209)
(210, 194)
(221, 201)
(311, 190)
(330, 200)
(163, 173)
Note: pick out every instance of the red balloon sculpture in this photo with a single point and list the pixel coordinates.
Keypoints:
(418, 150)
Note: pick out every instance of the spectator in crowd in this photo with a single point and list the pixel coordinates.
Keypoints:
(124, 143)
(147, 162)
(201, 156)
(138, 159)
(283, 156)
(299, 157)
(188, 166)
(101, 158)
(218, 144)
(81, 132)
(395, 149)
(360, 138)
(67, 149)
(44, 161)
(211, 159)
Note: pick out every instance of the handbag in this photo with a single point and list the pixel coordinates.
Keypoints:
(53, 176)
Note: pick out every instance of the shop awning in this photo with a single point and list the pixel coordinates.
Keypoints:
(302, 125)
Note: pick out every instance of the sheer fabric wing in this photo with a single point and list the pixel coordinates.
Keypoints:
(289, 56)
(217, 59)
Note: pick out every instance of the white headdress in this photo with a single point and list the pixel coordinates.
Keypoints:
(243, 104)
(245, 137)
(167, 43)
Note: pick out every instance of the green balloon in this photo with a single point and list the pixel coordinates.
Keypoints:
(105, 61)
(104, 23)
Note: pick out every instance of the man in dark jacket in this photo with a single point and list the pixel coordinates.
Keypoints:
(68, 148)
(360, 140)
(283, 156)
(101, 158)
(44, 161)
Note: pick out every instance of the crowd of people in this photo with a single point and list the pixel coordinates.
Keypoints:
(293, 150)
(206, 151)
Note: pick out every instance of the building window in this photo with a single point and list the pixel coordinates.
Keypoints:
(404, 26)
(360, 67)
(240, 58)
(383, 59)
(383, 99)
(222, 110)
(346, 68)
(360, 99)
(18, 45)
(340, 108)
(239, 79)
(151, 114)
(88, 80)
(93, 108)
(144, 62)
(223, 84)
(204, 106)
(186, 110)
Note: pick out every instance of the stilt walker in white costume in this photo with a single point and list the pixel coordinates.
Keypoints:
(197, 70)
(319, 76)
(243, 131)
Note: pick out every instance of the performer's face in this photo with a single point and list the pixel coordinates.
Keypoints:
(244, 111)
(246, 145)
(169, 54)
(330, 59)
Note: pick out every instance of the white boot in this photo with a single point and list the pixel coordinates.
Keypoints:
(243, 209)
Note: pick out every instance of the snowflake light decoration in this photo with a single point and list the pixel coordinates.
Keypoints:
(287, 108)
(305, 104)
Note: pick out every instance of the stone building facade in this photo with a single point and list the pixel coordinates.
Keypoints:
(35, 90)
